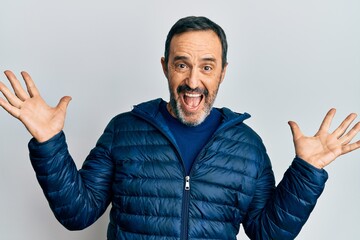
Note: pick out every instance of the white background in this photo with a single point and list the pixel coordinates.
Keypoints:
(288, 60)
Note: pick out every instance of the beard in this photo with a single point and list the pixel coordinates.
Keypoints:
(192, 118)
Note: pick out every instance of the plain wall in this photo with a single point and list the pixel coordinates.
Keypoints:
(288, 60)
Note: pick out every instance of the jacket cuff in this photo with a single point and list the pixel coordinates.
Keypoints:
(48, 148)
(308, 172)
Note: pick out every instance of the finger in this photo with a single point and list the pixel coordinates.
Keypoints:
(64, 103)
(325, 125)
(295, 130)
(15, 112)
(12, 99)
(351, 134)
(31, 87)
(344, 125)
(350, 147)
(18, 89)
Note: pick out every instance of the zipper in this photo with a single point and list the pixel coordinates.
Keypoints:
(187, 183)
(186, 192)
(185, 210)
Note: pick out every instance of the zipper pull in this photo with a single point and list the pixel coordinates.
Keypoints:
(187, 183)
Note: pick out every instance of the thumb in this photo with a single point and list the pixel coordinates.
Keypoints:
(64, 102)
(295, 130)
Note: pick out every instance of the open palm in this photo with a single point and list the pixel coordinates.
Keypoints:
(324, 147)
(41, 120)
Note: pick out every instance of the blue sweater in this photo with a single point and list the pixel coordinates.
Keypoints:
(191, 139)
(136, 167)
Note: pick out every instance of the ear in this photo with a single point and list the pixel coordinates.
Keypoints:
(223, 73)
(164, 67)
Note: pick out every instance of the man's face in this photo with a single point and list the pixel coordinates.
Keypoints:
(194, 72)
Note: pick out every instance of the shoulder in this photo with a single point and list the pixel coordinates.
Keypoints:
(244, 135)
(244, 147)
(127, 121)
(235, 128)
(139, 116)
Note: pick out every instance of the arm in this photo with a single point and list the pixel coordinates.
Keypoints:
(77, 198)
(280, 213)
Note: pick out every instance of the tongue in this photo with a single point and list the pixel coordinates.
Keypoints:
(192, 101)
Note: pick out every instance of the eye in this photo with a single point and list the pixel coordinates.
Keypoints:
(182, 65)
(207, 68)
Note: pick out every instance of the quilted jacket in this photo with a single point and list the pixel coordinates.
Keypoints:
(136, 166)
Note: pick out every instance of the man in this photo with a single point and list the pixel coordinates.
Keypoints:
(179, 169)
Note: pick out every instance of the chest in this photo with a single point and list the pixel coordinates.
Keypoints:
(149, 167)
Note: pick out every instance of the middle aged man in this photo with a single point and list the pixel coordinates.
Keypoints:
(179, 169)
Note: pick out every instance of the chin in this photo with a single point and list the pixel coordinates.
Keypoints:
(192, 119)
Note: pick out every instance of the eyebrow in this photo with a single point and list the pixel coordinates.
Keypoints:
(177, 58)
(206, 59)
(209, 59)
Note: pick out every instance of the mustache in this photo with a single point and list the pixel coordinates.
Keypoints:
(185, 88)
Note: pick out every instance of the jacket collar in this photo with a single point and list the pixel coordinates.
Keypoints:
(150, 111)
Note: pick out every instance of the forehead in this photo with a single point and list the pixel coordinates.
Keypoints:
(196, 42)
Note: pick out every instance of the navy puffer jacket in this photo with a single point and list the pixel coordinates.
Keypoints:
(137, 167)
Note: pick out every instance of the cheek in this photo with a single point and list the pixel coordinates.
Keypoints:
(172, 86)
(174, 80)
(213, 85)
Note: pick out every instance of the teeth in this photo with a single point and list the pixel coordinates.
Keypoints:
(192, 94)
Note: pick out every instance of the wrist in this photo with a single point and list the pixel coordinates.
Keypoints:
(313, 161)
(45, 136)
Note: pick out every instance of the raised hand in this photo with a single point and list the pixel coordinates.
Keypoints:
(324, 147)
(41, 120)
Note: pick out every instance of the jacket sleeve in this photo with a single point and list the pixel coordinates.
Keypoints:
(77, 198)
(281, 212)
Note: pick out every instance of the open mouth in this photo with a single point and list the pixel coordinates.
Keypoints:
(192, 101)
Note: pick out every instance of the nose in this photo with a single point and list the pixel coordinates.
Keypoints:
(193, 80)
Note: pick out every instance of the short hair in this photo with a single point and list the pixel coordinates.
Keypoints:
(193, 23)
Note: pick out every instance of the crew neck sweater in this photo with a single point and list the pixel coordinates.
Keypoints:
(191, 139)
